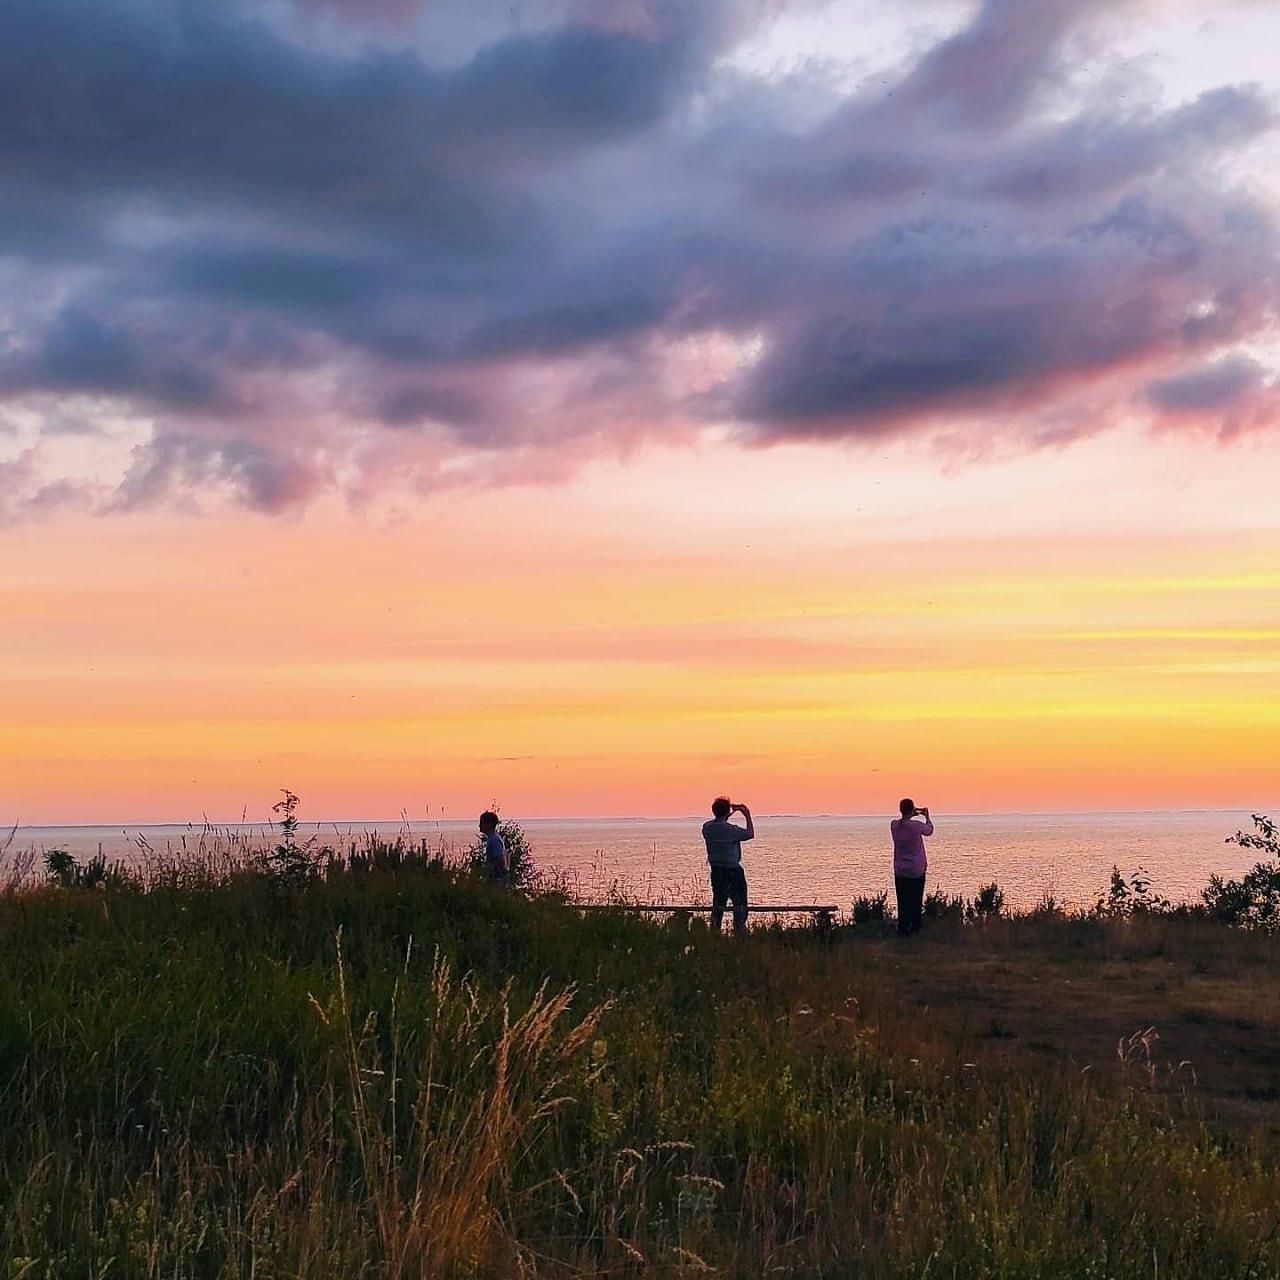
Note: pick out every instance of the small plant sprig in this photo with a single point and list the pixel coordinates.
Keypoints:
(1265, 837)
(289, 862)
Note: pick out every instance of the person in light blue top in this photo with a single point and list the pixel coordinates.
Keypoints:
(497, 860)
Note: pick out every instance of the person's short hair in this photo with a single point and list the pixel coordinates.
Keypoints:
(721, 807)
(907, 808)
(489, 819)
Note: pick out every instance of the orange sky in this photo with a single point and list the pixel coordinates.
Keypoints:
(425, 454)
(813, 629)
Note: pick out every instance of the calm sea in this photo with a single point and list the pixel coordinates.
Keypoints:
(799, 859)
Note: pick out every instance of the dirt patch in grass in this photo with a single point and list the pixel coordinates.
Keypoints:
(1172, 1007)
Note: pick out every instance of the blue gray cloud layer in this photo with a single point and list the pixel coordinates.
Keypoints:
(298, 255)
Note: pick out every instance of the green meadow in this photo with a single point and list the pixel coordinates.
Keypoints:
(389, 1069)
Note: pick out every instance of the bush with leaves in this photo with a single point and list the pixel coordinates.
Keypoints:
(870, 907)
(943, 906)
(1047, 907)
(1132, 897)
(62, 869)
(1253, 901)
(524, 871)
(988, 903)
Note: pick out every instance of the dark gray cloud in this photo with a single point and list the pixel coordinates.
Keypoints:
(947, 320)
(80, 353)
(1229, 395)
(1012, 53)
(1211, 389)
(266, 478)
(364, 11)
(294, 261)
(192, 101)
(1103, 150)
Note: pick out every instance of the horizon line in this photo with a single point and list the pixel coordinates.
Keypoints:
(401, 820)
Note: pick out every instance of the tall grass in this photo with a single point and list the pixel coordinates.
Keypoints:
(397, 1072)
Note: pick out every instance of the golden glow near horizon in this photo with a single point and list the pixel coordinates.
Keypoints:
(819, 630)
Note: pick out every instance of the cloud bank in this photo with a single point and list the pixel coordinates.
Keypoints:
(268, 251)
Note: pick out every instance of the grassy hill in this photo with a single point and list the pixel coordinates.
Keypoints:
(397, 1072)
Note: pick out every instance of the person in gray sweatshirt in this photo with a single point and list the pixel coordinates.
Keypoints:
(724, 855)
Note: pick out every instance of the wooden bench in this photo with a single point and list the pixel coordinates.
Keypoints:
(823, 914)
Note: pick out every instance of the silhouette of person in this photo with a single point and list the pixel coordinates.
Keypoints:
(910, 864)
(724, 855)
(497, 860)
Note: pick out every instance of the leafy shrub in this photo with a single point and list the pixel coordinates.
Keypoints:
(871, 907)
(988, 903)
(1253, 901)
(1131, 897)
(943, 906)
(1047, 907)
(62, 869)
(524, 870)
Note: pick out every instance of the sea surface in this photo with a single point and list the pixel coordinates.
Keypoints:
(792, 860)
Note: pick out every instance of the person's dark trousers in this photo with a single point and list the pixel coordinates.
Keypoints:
(910, 891)
(728, 884)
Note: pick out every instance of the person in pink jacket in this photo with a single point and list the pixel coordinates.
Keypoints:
(910, 864)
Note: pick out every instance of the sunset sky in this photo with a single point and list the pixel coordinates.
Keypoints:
(593, 407)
